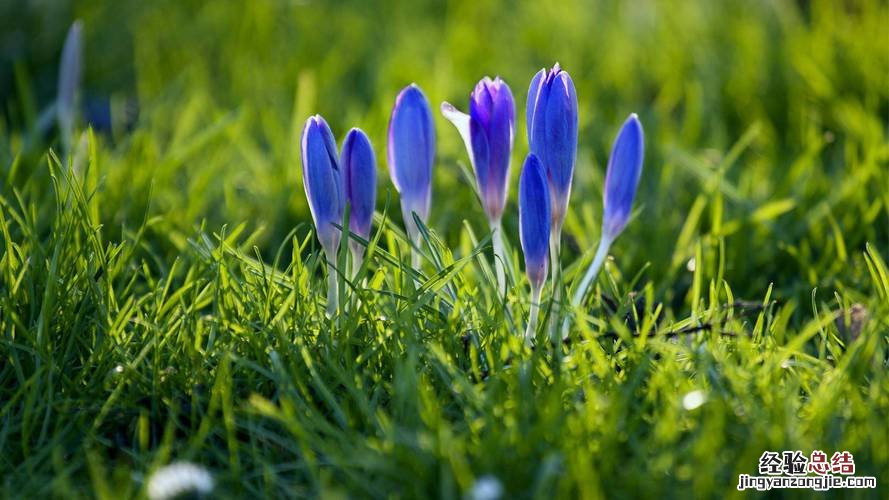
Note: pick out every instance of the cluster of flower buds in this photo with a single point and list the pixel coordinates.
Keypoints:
(331, 181)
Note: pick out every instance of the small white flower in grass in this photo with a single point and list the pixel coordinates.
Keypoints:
(486, 488)
(118, 368)
(691, 265)
(178, 478)
(693, 399)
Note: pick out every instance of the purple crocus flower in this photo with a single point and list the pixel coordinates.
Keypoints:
(360, 183)
(552, 135)
(324, 190)
(322, 182)
(535, 215)
(488, 131)
(411, 153)
(622, 177)
(621, 182)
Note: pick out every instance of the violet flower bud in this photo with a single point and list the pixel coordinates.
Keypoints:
(411, 153)
(322, 182)
(360, 181)
(488, 132)
(534, 220)
(622, 177)
(552, 133)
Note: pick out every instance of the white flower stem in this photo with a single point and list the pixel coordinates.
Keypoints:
(499, 257)
(588, 278)
(413, 234)
(357, 257)
(333, 296)
(415, 258)
(592, 271)
(532, 317)
(555, 249)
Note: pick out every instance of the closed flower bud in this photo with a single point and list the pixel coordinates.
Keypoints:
(411, 153)
(622, 178)
(552, 133)
(621, 181)
(360, 181)
(534, 220)
(322, 182)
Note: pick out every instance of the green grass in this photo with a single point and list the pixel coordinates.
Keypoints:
(164, 300)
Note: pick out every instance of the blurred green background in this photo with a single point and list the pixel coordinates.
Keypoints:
(223, 88)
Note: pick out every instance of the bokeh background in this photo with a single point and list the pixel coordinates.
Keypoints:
(767, 161)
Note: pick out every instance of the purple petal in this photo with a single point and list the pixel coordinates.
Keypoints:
(534, 219)
(481, 101)
(360, 181)
(553, 135)
(533, 95)
(322, 181)
(411, 149)
(560, 136)
(496, 118)
(622, 177)
(481, 157)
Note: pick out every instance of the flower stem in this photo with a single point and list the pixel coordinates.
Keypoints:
(591, 273)
(415, 259)
(357, 257)
(333, 295)
(499, 257)
(555, 249)
(532, 317)
(413, 234)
